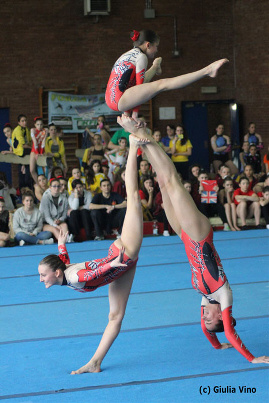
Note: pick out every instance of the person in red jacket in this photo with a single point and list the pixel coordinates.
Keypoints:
(208, 276)
(247, 203)
(117, 269)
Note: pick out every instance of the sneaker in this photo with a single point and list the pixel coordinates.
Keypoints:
(70, 238)
(99, 238)
(259, 226)
(49, 241)
(166, 233)
(267, 226)
(22, 242)
(226, 227)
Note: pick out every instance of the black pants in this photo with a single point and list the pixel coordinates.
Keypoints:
(103, 221)
(161, 217)
(209, 210)
(25, 180)
(80, 219)
(265, 213)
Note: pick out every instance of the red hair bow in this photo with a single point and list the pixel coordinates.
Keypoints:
(37, 118)
(135, 35)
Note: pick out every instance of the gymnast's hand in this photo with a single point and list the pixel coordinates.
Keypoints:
(259, 360)
(225, 345)
(117, 262)
(62, 237)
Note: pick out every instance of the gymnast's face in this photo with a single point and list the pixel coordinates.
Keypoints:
(212, 315)
(49, 277)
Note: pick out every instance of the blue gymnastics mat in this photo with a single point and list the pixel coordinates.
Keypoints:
(161, 354)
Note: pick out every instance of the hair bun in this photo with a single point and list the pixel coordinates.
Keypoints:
(135, 35)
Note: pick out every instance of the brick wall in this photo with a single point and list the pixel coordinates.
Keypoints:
(52, 44)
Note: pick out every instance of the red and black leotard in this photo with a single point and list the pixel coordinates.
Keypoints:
(128, 71)
(209, 279)
(88, 276)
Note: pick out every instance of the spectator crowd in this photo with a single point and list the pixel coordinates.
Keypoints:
(94, 196)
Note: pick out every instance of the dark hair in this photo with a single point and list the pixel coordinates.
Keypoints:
(54, 180)
(251, 123)
(222, 165)
(227, 179)
(187, 181)
(249, 165)
(171, 127)
(243, 178)
(202, 171)
(76, 182)
(91, 174)
(146, 178)
(185, 135)
(193, 178)
(105, 180)
(146, 35)
(265, 189)
(54, 262)
(7, 125)
(37, 118)
(26, 192)
(53, 171)
(123, 138)
(21, 116)
(219, 328)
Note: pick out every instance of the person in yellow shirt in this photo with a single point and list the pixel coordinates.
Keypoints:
(181, 149)
(55, 151)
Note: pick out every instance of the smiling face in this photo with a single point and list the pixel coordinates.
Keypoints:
(211, 316)
(49, 277)
(157, 136)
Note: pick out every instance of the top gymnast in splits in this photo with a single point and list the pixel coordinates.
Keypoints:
(129, 84)
(118, 268)
(208, 276)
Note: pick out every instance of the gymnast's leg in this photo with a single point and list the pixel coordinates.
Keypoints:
(178, 204)
(140, 94)
(119, 290)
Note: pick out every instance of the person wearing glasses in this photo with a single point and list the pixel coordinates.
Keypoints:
(54, 206)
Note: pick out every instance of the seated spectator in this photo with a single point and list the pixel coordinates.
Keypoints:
(252, 137)
(56, 172)
(119, 185)
(247, 203)
(41, 186)
(221, 146)
(102, 128)
(187, 186)
(147, 196)
(54, 208)
(63, 186)
(105, 170)
(226, 199)
(254, 159)
(243, 155)
(157, 135)
(181, 149)
(21, 145)
(55, 151)
(8, 133)
(171, 132)
(28, 222)
(117, 158)
(7, 192)
(79, 215)
(224, 172)
(94, 177)
(107, 210)
(143, 172)
(266, 162)
(194, 172)
(114, 141)
(4, 223)
(96, 152)
(76, 174)
(264, 202)
(38, 135)
(249, 174)
(211, 209)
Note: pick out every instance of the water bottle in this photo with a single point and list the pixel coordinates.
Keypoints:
(155, 227)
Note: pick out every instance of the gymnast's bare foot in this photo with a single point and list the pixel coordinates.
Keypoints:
(138, 141)
(89, 367)
(214, 67)
(157, 63)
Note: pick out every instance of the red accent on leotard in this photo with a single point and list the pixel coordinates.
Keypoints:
(207, 271)
(128, 71)
(99, 272)
(40, 136)
(230, 334)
